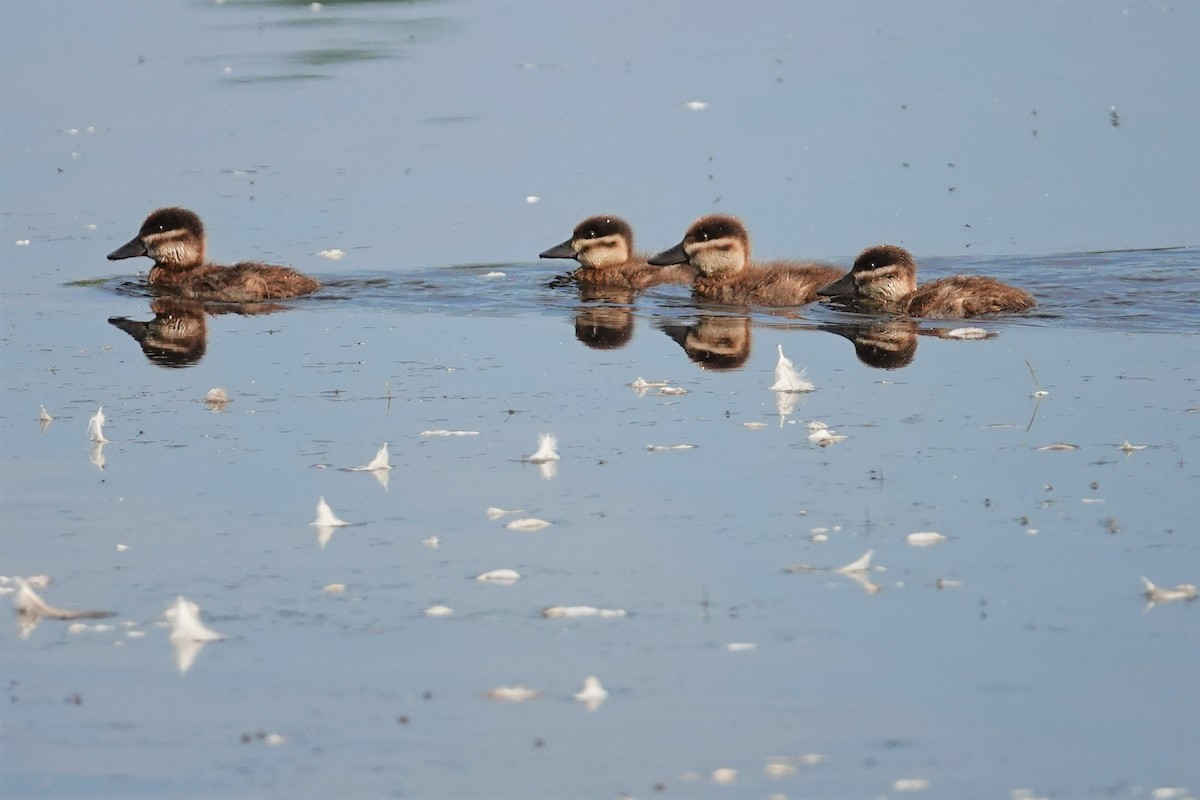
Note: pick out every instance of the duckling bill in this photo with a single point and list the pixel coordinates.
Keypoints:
(718, 246)
(603, 246)
(174, 238)
(884, 280)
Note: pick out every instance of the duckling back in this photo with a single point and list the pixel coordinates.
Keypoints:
(962, 296)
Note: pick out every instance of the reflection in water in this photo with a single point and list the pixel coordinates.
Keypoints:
(176, 337)
(607, 323)
(714, 342)
(178, 334)
(881, 343)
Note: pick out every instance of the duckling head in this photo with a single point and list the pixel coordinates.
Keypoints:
(881, 275)
(173, 237)
(715, 244)
(600, 241)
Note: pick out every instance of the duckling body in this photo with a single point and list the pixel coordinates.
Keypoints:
(603, 246)
(174, 238)
(718, 246)
(884, 280)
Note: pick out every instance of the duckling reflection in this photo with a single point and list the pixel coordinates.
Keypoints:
(606, 321)
(716, 342)
(174, 237)
(603, 246)
(884, 280)
(882, 344)
(176, 337)
(718, 246)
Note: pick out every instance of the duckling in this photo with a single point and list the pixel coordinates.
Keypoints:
(718, 246)
(174, 238)
(884, 279)
(603, 246)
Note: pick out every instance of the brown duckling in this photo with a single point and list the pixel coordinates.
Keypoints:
(884, 279)
(603, 246)
(174, 238)
(718, 246)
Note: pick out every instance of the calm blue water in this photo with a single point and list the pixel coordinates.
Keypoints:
(409, 135)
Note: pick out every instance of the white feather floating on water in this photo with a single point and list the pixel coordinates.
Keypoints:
(512, 694)
(821, 434)
(787, 379)
(438, 611)
(862, 564)
(444, 432)
(658, 448)
(30, 604)
(1162, 594)
(547, 450)
(496, 513)
(325, 516)
(96, 427)
(925, 538)
(186, 626)
(377, 464)
(575, 612)
(528, 524)
(593, 694)
(1128, 448)
(502, 576)
(44, 416)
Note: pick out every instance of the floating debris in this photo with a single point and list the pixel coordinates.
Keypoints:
(695, 105)
(724, 775)
(924, 538)
(96, 427)
(948, 583)
(1162, 594)
(593, 694)
(741, 647)
(82, 627)
(787, 379)
(1128, 448)
(438, 611)
(528, 524)
(547, 450)
(334, 588)
(44, 417)
(822, 434)
(910, 784)
(32, 609)
(1058, 446)
(512, 694)
(573, 612)
(967, 333)
(216, 399)
(496, 513)
(754, 425)
(499, 576)
(432, 542)
(333, 255)
(671, 391)
(641, 385)
(1039, 392)
(444, 432)
(495, 273)
(377, 464)
(654, 448)
(532, 198)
